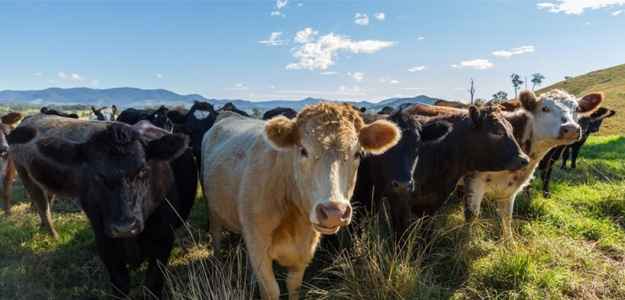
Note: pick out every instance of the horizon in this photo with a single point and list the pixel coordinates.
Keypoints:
(288, 50)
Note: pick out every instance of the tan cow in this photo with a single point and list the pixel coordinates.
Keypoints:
(283, 183)
(7, 167)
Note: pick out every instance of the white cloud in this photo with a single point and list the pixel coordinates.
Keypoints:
(478, 64)
(238, 87)
(276, 13)
(361, 19)
(281, 4)
(358, 76)
(300, 4)
(95, 82)
(350, 91)
(75, 77)
(577, 7)
(38, 74)
(273, 40)
(388, 80)
(617, 13)
(321, 53)
(159, 75)
(379, 16)
(413, 88)
(417, 69)
(587, 23)
(306, 35)
(328, 73)
(420, 38)
(514, 51)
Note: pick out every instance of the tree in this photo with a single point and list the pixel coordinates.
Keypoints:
(516, 83)
(537, 80)
(500, 96)
(472, 90)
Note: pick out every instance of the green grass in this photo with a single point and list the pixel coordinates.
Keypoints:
(571, 246)
(611, 81)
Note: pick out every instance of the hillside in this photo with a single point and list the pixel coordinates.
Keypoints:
(611, 81)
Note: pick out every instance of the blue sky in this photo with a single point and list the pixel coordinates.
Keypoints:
(340, 49)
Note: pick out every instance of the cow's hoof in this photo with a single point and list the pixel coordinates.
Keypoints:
(547, 194)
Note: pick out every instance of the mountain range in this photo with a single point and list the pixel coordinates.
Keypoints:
(136, 97)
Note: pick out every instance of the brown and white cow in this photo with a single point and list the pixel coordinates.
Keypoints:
(283, 183)
(7, 167)
(539, 125)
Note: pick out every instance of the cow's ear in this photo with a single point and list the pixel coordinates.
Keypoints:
(528, 100)
(61, 151)
(602, 113)
(435, 131)
(379, 136)
(21, 135)
(589, 103)
(476, 115)
(11, 118)
(167, 148)
(149, 132)
(281, 133)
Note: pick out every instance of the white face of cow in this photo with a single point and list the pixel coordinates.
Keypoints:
(201, 114)
(556, 115)
(325, 143)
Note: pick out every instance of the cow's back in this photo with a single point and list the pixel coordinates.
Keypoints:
(229, 149)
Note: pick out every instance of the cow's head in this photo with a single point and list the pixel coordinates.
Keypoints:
(396, 166)
(123, 177)
(492, 142)
(105, 113)
(596, 119)
(325, 143)
(8, 124)
(159, 119)
(556, 114)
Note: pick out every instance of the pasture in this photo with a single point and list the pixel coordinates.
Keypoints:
(569, 246)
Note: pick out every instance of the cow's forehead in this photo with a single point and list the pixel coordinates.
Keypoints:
(559, 100)
(330, 126)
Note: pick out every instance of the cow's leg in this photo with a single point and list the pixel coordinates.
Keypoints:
(401, 215)
(294, 281)
(7, 185)
(160, 252)
(505, 205)
(546, 177)
(40, 199)
(112, 258)
(257, 247)
(574, 153)
(565, 156)
(474, 189)
(216, 232)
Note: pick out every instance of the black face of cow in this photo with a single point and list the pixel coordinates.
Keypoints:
(123, 178)
(200, 119)
(492, 143)
(398, 163)
(159, 119)
(595, 120)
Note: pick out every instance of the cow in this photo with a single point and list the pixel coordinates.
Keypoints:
(198, 121)
(104, 113)
(283, 183)
(280, 111)
(542, 123)
(230, 107)
(389, 175)
(54, 112)
(157, 117)
(7, 167)
(136, 184)
(386, 110)
(590, 124)
(481, 140)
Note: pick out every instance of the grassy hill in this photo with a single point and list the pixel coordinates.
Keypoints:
(611, 81)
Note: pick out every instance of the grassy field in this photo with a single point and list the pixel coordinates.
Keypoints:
(611, 81)
(569, 246)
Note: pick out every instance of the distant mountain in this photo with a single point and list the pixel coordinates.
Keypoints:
(135, 97)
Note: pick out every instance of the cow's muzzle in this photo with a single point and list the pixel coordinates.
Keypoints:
(570, 132)
(332, 216)
(519, 162)
(125, 229)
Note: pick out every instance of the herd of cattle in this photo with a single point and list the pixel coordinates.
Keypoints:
(284, 181)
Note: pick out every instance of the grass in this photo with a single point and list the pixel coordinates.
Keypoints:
(611, 81)
(571, 246)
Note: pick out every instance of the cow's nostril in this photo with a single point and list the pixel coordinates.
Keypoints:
(347, 214)
(321, 214)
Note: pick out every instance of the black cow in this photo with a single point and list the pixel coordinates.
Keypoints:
(136, 185)
(280, 111)
(104, 113)
(198, 121)
(389, 175)
(157, 117)
(386, 110)
(230, 107)
(53, 112)
(590, 125)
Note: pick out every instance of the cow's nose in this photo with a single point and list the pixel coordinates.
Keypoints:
(402, 186)
(570, 131)
(332, 214)
(126, 229)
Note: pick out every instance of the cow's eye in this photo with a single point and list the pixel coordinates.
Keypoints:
(546, 109)
(303, 152)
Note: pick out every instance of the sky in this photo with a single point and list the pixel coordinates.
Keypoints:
(292, 49)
